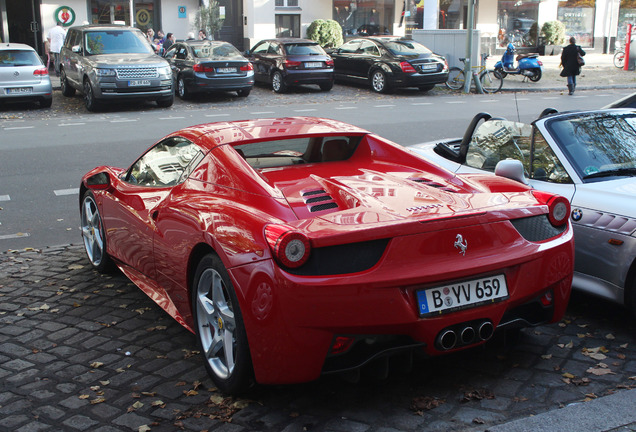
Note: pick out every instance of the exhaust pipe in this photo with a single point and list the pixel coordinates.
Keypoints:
(447, 339)
(468, 335)
(486, 330)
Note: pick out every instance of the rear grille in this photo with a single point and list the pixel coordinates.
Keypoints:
(318, 196)
(537, 228)
(136, 73)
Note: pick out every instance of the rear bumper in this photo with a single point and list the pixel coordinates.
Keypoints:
(200, 83)
(308, 76)
(419, 79)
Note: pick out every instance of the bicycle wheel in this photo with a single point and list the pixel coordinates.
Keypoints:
(455, 79)
(491, 81)
(619, 59)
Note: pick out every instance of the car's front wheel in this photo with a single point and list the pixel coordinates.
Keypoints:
(93, 234)
(219, 327)
(166, 102)
(67, 90)
(89, 97)
(278, 83)
(379, 83)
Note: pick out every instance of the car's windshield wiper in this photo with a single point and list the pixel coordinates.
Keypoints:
(614, 172)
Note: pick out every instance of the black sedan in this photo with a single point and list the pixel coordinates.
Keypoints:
(290, 62)
(386, 62)
(204, 66)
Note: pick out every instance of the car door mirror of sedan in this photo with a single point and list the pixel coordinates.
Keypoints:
(99, 181)
(76, 48)
(512, 169)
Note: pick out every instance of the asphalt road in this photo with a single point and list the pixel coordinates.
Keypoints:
(45, 152)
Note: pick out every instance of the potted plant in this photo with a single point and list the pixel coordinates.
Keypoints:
(553, 34)
(208, 18)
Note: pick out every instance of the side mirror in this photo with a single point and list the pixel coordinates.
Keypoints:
(76, 48)
(512, 169)
(246, 53)
(99, 181)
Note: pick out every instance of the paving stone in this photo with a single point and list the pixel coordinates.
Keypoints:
(80, 422)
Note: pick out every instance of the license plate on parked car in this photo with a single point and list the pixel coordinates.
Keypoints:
(20, 90)
(313, 64)
(138, 83)
(428, 67)
(226, 70)
(462, 295)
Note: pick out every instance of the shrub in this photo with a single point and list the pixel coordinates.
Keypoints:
(553, 32)
(327, 33)
(208, 18)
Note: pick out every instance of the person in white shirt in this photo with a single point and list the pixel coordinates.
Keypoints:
(56, 39)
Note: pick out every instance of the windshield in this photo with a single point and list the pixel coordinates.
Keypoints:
(406, 48)
(304, 49)
(117, 42)
(599, 145)
(19, 58)
(216, 51)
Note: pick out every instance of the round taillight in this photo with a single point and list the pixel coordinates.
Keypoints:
(558, 207)
(291, 248)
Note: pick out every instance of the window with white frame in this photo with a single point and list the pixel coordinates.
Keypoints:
(286, 3)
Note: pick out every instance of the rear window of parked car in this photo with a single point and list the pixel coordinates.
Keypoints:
(19, 58)
(406, 48)
(218, 51)
(117, 42)
(304, 49)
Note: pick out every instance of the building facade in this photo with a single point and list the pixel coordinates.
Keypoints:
(595, 23)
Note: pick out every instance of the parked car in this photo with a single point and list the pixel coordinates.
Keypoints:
(204, 66)
(386, 62)
(590, 158)
(109, 63)
(298, 246)
(23, 76)
(289, 62)
(628, 101)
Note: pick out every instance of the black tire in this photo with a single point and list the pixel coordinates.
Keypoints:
(46, 103)
(278, 82)
(326, 86)
(455, 79)
(243, 92)
(93, 234)
(379, 83)
(182, 89)
(89, 97)
(166, 102)
(619, 59)
(536, 76)
(67, 90)
(426, 88)
(217, 317)
(491, 81)
(501, 72)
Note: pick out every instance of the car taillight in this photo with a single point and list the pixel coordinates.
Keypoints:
(407, 68)
(290, 64)
(558, 206)
(291, 248)
(41, 71)
(329, 62)
(201, 68)
(247, 67)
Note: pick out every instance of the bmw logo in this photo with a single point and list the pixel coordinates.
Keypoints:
(577, 214)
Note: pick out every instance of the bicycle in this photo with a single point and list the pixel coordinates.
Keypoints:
(619, 59)
(491, 81)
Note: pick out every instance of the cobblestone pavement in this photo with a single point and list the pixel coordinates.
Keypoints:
(84, 352)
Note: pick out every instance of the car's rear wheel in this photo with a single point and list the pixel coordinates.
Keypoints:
(89, 97)
(46, 103)
(67, 90)
(326, 86)
(379, 83)
(182, 90)
(243, 92)
(219, 327)
(278, 83)
(426, 88)
(93, 234)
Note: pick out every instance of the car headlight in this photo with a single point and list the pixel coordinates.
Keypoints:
(164, 70)
(104, 72)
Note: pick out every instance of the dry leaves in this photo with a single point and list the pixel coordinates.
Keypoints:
(477, 394)
(425, 403)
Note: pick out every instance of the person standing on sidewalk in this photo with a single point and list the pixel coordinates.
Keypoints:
(56, 39)
(570, 63)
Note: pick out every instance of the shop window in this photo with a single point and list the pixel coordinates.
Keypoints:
(364, 18)
(518, 23)
(626, 15)
(288, 26)
(286, 3)
(109, 11)
(578, 17)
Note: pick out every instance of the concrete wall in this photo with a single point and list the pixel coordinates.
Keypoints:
(170, 21)
(48, 8)
(450, 43)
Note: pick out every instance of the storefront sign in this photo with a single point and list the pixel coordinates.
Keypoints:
(142, 17)
(65, 15)
(182, 12)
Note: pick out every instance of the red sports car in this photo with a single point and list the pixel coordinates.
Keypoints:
(295, 247)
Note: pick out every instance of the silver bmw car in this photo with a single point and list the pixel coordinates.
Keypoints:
(23, 76)
(588, 157)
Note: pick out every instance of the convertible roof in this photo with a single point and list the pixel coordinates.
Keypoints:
(211, 135)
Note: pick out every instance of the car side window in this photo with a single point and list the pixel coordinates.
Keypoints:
(168, 163)
(545, 165)
(275, 49)
(368, 48)
(350, 47)
(182, 53)
(171, 53)
(261, 48)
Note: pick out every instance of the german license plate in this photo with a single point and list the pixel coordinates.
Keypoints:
(226, 70)
(20, 90)
(462, 295)
(138, 83)
(313, 64)
(428, 67)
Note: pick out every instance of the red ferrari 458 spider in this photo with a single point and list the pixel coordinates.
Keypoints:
(295, 247)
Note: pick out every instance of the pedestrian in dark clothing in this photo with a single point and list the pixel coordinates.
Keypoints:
(170, 40)
(570, 63)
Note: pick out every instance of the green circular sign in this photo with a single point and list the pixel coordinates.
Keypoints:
(65, 15)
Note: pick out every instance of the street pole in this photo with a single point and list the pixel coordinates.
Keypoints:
(468, 72)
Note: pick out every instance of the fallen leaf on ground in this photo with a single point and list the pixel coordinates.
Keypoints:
(425, 403)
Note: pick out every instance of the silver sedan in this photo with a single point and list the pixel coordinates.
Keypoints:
(588, 157)
(23, 75)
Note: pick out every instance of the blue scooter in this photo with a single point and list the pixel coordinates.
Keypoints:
(528, 65)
